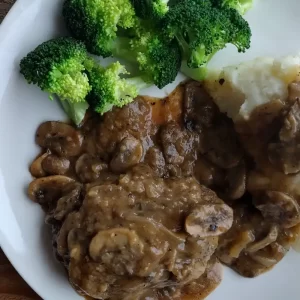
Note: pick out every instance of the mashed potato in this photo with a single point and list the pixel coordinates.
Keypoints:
(239, 89)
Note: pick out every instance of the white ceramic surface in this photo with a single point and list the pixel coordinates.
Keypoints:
(23, 235)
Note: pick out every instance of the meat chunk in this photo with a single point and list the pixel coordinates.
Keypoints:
(131, 120)
(133, 231)
(89, 168)
(285, 152)
(128, 154)
(179, 147)
(199, 109)
(218, 139)
(220, 144)
(155, 159)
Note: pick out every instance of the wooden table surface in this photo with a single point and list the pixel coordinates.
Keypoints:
(12, 286)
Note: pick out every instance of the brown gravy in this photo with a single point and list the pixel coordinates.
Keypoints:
(169, 169)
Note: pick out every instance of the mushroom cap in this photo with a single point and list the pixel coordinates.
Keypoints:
(60, 138)
(209, 220)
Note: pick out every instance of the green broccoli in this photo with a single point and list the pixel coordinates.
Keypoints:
(157, 58)
(63, 68)
(58, 68)
(151, 9)
(109, 89)
(96, 22)
(203, 29)
(242, 6)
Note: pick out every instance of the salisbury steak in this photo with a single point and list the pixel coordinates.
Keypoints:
(142, 234)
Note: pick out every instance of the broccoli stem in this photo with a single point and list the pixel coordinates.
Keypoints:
(196, 74)
(138, 82)
(75, 111)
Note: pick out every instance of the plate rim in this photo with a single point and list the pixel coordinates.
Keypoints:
(12, 14)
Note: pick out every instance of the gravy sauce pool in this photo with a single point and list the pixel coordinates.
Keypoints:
(145, 192)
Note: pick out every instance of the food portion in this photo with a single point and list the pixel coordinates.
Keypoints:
(240, 89)
(263, 100)
(155, 39)
(151, 196)
(147, 196)
(202, 28)
(157, 36)
(62, 67)
(124, 206)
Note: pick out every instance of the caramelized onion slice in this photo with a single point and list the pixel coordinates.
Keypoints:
(269, 239)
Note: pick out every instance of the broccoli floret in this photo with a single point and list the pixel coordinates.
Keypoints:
(157, 58)
(96, 22)
(151, 9)
(202, 29)
(58, 68)
(242, 6)
(109, 89)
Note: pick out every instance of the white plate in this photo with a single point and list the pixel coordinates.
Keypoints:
(23, 235)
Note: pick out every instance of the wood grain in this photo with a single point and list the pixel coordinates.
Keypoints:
(5, 6)
(12, 286)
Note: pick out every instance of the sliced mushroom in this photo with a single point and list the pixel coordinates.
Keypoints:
(128, 154)
(55, 165)
(269, 239)
(60, 138)
(36, 169)
(47, 190)
(70, 200)
(236, 179)
(209, 220)
(119, 249)
(279, 208)
(71, 222)
(88, 168)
